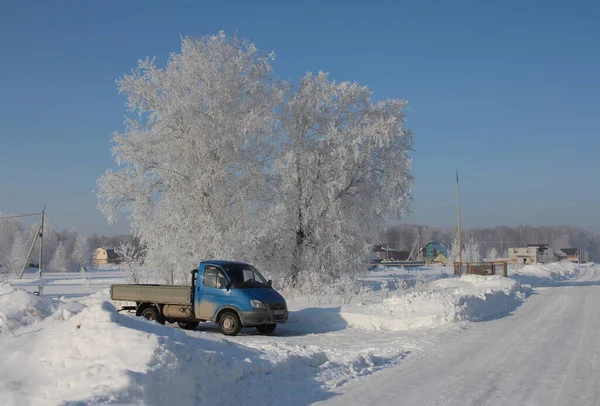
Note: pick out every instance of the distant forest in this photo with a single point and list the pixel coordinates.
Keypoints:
(403, 237)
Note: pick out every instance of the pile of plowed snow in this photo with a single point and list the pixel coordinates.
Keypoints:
(19, 308)
(99, 356)
(444, 301)
(87, 353)
(548, 274)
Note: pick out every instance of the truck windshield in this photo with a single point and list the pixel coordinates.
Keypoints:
(245, 277)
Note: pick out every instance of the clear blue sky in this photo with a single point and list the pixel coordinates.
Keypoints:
(506, 91)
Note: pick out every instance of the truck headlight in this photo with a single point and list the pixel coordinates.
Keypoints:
(257, 304)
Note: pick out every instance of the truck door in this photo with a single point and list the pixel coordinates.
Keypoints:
(211, 292)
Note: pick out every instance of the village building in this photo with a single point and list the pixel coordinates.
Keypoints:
(105, 256)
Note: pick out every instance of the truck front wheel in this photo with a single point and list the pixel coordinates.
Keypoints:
(229, 324)
(266, 328)
(152, 314)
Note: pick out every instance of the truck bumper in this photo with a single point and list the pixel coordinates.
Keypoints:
(254, 318)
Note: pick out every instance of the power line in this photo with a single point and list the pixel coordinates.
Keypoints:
(21, 215)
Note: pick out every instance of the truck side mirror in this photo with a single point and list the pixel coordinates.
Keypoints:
(270, 283)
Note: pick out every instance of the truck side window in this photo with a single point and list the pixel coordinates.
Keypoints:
(221, 280)
(214, 278)
(210, 277)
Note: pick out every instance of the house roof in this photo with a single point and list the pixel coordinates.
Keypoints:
(438, 245)
(570, 251)
(112, 254)
(381, 248)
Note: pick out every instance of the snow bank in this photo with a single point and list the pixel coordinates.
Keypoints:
(19, 308)
(445, 301)
(390, 279)
(85, 352)
(99, 356)
(547, 274)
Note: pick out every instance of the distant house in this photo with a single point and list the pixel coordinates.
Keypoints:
(440, 260)
(433, 252)
(576, 255)
(387, 254)
(534, 254)
(104, 256)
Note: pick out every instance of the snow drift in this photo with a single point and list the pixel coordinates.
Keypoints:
(19, 308)
(98, 356)
(548, 274)
(444, 301)
(85, 352)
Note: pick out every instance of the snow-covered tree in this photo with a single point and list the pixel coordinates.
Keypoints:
(471, 251)
(343, 168)
(60, 259)
(9, 229)
(224, 161)
(82, 254)
(132, 259)
(194, 159)
(18, 253)
(492, 254)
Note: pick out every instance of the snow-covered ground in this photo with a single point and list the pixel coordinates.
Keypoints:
(71, 347)
(545, 353)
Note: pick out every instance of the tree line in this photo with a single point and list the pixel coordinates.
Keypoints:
(63, 250)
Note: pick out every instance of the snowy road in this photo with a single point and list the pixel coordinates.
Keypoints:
(546, 353)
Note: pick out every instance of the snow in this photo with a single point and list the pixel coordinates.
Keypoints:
(548, 274)
(545, 353)
(444, 301)
(73, 347)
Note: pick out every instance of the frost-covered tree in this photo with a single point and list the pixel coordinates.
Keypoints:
(82, 254)
(18, 253)
(492, 254)
(194, 157)
(132, 258)
(9, 229)
(471, 251)
(344, 166)
(60, 259)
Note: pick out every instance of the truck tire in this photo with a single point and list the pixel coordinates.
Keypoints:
(152, 314)
(188, 325)
(229, 324)
(266, 328)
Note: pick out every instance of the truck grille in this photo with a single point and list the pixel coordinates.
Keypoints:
(279, 310)
(277, 306)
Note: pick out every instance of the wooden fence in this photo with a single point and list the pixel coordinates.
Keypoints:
(481, 268)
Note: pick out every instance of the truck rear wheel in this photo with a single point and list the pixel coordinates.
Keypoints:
(188, 325)
(229, 324)
(266, 328)
(152, 314)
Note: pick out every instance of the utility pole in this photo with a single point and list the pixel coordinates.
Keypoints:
(458, 212)
(37, 234)
(41, 243)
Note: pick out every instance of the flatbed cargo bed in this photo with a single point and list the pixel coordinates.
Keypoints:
(160, 294)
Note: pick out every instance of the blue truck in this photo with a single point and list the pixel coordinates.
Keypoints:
(232, 294)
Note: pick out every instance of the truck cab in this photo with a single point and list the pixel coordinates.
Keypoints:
(236, 295)
(232, 294)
